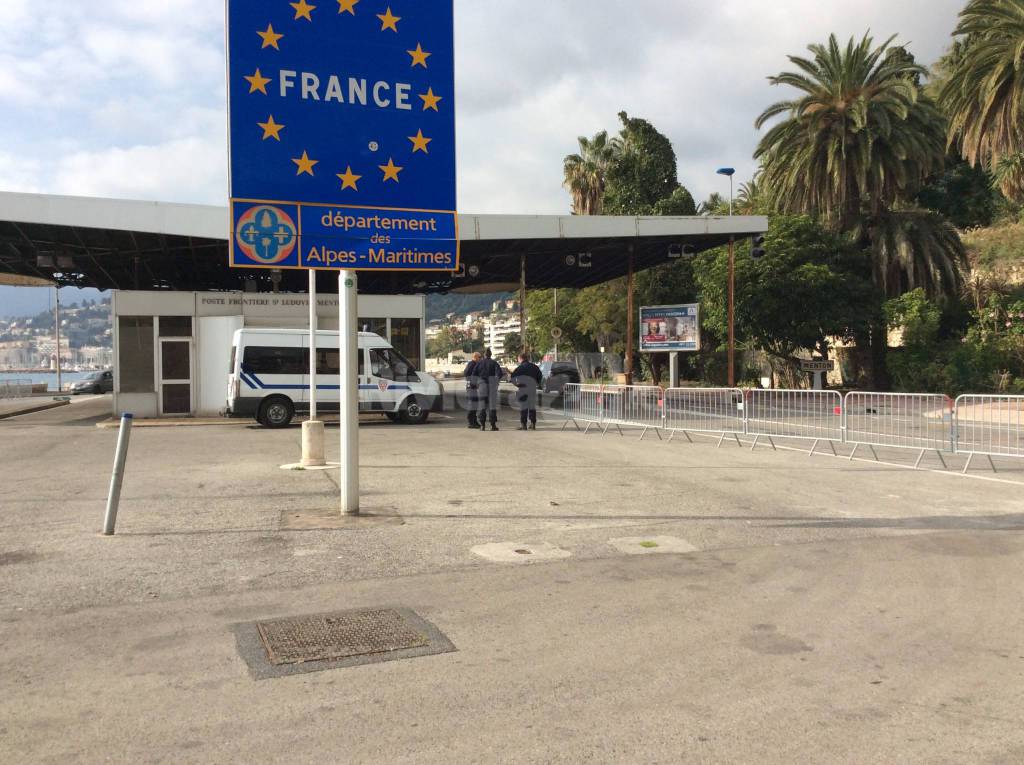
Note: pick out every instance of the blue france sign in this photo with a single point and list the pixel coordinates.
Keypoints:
(342, 134)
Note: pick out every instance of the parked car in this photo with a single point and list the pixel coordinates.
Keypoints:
(95, 382)
(557, 374)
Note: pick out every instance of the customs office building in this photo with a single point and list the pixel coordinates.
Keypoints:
(177, 302)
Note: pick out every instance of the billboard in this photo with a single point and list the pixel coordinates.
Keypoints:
(670, 328)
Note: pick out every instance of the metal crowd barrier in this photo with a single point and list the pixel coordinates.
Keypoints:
(987, 425)
(810, 414)
(992, 426)
(15, 388)
(641, 406)
(582, 403)
(705, 410)
(922, 421)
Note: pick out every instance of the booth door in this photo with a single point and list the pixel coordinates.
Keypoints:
(175, 376)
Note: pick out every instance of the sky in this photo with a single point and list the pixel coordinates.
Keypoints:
(126, 98)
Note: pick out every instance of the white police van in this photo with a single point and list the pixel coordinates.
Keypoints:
(269, 378)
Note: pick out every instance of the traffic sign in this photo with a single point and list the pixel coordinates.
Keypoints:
(342, 134)
(817, 365)
(556, 333)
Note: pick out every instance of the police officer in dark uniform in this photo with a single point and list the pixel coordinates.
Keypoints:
(527, 378)
(472, 384)
(489, 374)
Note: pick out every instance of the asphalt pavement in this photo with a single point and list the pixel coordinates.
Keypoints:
(706, 605)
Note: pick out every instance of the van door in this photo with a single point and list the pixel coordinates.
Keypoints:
(388, 380)
(328, 376)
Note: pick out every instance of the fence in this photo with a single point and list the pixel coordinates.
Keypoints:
(704, 410)
(974, 424)
(810, 414)
(922, 421)
(989, 425)
(582, 403)
(15, 388)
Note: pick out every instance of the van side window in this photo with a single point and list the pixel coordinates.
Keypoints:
(275, 361)
(328, 361)
(391, 365)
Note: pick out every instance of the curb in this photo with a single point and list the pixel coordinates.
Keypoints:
(34, 409)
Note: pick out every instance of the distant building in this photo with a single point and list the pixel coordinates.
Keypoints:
(498, 330)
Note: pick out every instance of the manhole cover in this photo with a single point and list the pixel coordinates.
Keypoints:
(338, 636)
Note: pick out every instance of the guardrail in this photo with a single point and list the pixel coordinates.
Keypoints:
(972, 425)
(922, 421)
(992, 426)
(17, 388)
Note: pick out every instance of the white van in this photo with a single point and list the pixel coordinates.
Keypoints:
(269, 378)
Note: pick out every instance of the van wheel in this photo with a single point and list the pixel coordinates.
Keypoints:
(276, 412)
(413, 412)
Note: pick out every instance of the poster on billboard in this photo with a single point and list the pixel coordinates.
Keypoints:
(670, 328)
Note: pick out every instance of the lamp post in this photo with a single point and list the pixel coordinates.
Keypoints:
(729, 171)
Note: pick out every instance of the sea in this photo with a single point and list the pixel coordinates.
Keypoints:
(50, 378)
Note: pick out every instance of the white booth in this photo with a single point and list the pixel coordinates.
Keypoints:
(172, 350)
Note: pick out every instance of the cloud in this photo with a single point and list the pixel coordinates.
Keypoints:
(126, 98)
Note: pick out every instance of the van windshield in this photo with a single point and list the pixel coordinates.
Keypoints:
(389, 364)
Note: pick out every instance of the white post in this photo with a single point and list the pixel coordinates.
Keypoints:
(117, 475)
(348, 411)
(313, 454)
(312, 344)
(56, 332)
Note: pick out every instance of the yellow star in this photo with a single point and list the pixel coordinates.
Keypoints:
(258, 82)
(391, 170)
(430, 100)
(305, 164)
(419, 56)
(388, 20)
(348, 178)
(419, 142)
(270, 38)
(350, 6)
(271, 129)
(302, 10)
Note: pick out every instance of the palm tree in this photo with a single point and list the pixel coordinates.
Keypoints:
(861, 135)
(984, 93)
(586, 173)
(912, 247)
(853, 149)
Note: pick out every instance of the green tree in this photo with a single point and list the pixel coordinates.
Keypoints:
(679, 202)
(863, 134)
(586, 173)
(984, 92)
(643, 173)
(961, 193)
(853, 149)
(807, 289)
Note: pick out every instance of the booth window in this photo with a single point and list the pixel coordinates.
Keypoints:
(135, 354)
(405, 337)
(175, 326)
(374, 325)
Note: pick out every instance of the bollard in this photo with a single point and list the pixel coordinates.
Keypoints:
(313, 444)
(118, 475)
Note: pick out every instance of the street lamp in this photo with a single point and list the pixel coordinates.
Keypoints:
(729, 171)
